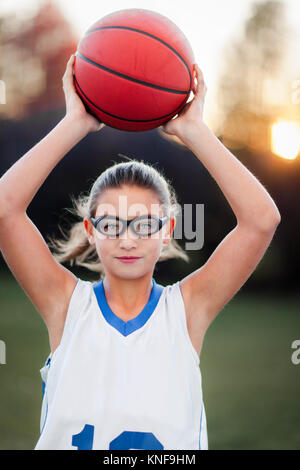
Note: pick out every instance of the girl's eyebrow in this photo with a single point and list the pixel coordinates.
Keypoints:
(118, 217)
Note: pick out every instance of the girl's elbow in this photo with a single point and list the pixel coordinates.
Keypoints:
(277, 217)
(272, 220)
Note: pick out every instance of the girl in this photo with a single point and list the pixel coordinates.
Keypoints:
(123, 372)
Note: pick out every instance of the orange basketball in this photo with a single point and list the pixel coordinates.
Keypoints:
(133, 69)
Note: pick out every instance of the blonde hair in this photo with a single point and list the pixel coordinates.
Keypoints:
(75, 247)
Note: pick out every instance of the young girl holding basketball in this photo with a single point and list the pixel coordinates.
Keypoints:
(123, 372)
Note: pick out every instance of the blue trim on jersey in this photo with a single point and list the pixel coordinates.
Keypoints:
(125, 328)
(45, 419)
(47, 363)
(200, 427)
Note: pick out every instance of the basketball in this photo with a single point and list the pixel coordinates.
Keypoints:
(133, 69)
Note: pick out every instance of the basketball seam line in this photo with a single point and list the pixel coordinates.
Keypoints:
(125, 119)
(146, 34)
(127, 77)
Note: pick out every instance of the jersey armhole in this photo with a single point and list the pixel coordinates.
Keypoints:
(184, 322)
(70, 316)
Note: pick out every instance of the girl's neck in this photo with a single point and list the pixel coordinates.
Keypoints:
(127, 297)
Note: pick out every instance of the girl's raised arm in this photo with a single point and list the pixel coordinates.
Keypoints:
(47, 283)
(208, 289)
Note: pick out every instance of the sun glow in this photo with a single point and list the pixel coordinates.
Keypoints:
(286, 139)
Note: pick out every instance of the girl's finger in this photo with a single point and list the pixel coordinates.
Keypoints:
(71, 60)
(199, 72)
(193, 80)
(69, 66)
(68, 75)
(201, 86)
(70, 63)
(194, 87)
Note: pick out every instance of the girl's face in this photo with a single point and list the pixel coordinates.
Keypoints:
(129, 202)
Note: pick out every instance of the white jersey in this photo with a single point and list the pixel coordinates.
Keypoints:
(112, 384)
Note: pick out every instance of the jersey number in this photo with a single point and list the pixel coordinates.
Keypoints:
(124, 441)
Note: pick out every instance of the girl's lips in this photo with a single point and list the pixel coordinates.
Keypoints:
(128, 260)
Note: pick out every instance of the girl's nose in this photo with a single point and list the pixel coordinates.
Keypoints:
(128, 238)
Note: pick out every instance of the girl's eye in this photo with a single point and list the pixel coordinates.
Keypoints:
(109, 227)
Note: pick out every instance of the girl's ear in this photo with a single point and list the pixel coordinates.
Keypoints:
(169, 230)
(89, 230)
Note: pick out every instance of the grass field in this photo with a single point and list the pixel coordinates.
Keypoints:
(251, 387)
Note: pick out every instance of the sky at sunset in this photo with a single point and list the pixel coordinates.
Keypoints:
(208, 25)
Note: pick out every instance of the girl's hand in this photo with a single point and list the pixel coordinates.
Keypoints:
(193, 110)
(74, 105)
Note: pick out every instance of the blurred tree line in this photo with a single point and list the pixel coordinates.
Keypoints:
(33, 56)
(33, 59)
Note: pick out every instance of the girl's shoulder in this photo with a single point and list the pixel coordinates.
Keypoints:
(79, 297)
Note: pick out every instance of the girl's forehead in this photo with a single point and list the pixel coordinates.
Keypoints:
(129, 195)
(128, 201)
